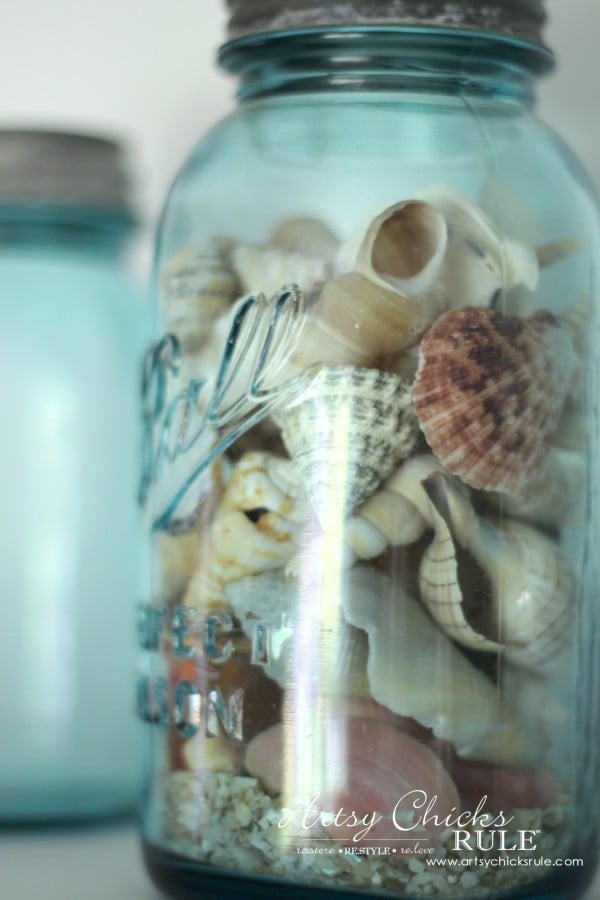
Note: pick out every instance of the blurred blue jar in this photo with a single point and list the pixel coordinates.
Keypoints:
(70, 319)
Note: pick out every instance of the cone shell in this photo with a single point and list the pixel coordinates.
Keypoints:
(371, 768)
(347, 432)
(489, 393)
(197, 287)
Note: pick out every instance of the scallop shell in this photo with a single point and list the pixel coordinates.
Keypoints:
(346, 433)
(306, 235)
(268, 269)
(370, 768)
(525, 606)
(489, 393)
(268, 606)
(415, 670)
(197, 287)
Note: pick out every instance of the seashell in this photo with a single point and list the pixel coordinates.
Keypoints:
(268, 269)
(355, 321)
(415, 670)
(371, 768)
(305, 235)
(479, 261)
(523, 608)
(345, 434)
(254, 530)
(401, 251)
(490, 391)
(197, 287)
(270, 604)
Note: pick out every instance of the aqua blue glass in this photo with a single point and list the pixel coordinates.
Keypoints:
(287, 709)
(69, 553)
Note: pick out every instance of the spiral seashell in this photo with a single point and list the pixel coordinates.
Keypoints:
(415, 670)
(255, 529)
(402, 251)
(524, 606)
(306, 235)
(197, 287)
(489, 393)
(346, 433)
(268, 269)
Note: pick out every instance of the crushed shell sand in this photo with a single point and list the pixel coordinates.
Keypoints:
(229, 820)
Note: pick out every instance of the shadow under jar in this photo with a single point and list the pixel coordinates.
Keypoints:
(370, 633)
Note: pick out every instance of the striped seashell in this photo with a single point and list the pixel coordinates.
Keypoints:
(268, 269)
(198, 286)
(305, 235)
(346, 433)
(489, 393)
(523, 607)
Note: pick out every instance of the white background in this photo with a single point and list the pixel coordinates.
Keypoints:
(144, 70)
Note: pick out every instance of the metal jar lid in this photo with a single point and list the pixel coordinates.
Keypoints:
(62, 168)
(520, 19)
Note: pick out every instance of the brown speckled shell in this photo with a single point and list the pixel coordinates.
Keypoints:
(489, 393)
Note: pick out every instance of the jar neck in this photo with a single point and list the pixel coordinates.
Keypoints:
(377, 59)
(74, 228)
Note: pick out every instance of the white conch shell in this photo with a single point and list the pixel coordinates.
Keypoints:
(526, 607)
(268, 269)
(416, 671)
(346, 433)
(272, 603)
(305, 235)
(255, 529)
(198, 286)
(479, 261)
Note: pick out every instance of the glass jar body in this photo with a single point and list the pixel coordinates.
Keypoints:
(70, 545)
(369, 646)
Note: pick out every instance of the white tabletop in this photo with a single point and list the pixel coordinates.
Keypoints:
(99, 863)
(94, 863)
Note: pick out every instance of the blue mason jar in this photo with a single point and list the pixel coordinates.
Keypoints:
(370, 642)
(69, 560)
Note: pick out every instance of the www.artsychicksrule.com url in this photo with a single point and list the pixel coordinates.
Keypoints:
(498, 863)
